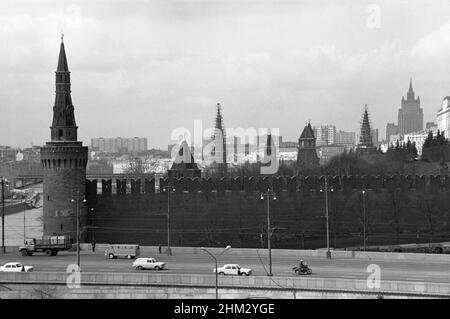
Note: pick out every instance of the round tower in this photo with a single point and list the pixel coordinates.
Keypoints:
(64, 161)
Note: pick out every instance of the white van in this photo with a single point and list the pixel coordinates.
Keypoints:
(122, 251)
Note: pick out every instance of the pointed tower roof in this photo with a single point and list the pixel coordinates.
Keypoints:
(184, 159)
(308, 132)
(365, 138)
(410, 94)
(219, 118)
(269, 143)
(63, 125)
(62, 60)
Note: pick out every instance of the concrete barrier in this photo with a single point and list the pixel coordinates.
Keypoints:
(300, 253)
(252, 282)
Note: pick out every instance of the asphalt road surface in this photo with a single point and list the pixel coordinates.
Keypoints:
(201, 263)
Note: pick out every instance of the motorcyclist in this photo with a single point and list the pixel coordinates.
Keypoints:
(302, 264)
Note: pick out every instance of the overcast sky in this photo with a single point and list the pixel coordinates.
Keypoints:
(144, 68)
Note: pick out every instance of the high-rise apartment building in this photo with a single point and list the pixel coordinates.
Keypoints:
(325, 134)
(119, 144)
(391, 129)
(346, 139)
(374, 134)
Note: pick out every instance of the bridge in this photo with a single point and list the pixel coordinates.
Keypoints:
(189, 275)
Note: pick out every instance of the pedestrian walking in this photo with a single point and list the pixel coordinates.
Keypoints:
(159, 248)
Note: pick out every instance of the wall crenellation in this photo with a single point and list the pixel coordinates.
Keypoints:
(261, 184)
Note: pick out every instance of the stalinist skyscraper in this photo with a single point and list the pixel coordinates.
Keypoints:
(410, 115)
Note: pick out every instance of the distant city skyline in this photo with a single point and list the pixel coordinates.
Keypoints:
(156, 66)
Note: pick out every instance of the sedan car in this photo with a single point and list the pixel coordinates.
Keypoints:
(148, 263)
(233, 269)
(15, 267)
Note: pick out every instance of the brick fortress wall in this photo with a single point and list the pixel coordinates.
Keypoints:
(206, 212)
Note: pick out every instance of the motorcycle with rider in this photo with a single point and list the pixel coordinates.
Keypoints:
(302, 269)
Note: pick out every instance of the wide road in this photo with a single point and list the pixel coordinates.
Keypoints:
(201, 263)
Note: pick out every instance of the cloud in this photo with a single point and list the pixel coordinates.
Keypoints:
(434, 46)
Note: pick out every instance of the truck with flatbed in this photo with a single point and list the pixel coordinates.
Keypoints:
(50, 245)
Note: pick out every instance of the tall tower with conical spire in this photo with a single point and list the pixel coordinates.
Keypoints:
(220, 149)
(64, 161)
(63, 126)
(410, 115)
(365, 145)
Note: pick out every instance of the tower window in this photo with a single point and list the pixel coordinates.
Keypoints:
(61, 226)
(60, 133)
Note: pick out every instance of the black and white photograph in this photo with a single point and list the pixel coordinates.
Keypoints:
(224, 155)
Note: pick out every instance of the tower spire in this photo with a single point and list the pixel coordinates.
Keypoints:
(365, 145)
(410, 94)
(63, 126)
(62, 60)
(221, 152)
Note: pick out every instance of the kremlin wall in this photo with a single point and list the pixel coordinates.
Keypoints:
(206, 212)
(225, 211)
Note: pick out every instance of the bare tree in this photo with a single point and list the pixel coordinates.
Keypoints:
(137, 166)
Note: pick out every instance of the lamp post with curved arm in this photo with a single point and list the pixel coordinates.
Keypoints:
(325, 189)
(215, 260)
(364, 219)
(269, 235)
(3, 182)
(77, 200)
(167, 189)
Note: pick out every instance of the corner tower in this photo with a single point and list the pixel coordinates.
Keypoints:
(64, 161)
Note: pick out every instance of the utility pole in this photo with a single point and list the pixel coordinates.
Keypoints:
(77, 199)
(326, 216)
(93, 228)
(3, 215)
(328, 228)
(24, 213)
(167, 189)
(78, 228)
(364, 219)
(269, 234)
(215, 260)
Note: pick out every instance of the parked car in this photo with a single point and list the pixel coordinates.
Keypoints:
(124, 251)
(148, 263)
(233, 269)
(15, 267)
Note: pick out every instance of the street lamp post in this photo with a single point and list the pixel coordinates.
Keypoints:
(215, 260)
(3, 180)
(77, 200)
(167, 189)
(364, 219)
(269, 235)
(24, 211)
(326, 215)
(93, 239)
